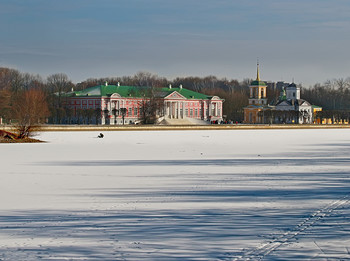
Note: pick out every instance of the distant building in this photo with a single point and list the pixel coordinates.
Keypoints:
(315, 110)
(115, 104)
(290, 108)
(293, 109)
(254, 112)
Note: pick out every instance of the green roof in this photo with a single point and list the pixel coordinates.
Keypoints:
(186, 93)
(258, 83)
(133, 91)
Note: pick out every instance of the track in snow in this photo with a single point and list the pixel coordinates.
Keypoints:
(265, 249)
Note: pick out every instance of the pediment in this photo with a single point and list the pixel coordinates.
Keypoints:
(215, 98)
(116, 95)
(284, 103)
(305, 103)
(175, 95)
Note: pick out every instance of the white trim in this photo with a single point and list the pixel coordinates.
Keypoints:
(177, 98)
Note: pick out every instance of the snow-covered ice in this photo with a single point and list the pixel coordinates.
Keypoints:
(177, 195)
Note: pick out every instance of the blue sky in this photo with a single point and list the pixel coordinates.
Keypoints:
(307, 40)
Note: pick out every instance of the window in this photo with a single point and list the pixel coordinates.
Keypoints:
(191, 112)
(196, 113)
(130, 112)
(186, 112)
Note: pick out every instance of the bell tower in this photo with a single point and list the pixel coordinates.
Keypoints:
(257, 90)
(254, 112)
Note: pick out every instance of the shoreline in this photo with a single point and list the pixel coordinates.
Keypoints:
(47, 128)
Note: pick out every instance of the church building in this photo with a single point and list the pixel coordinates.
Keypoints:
(292, 109)
(289, 109)
(253, 113)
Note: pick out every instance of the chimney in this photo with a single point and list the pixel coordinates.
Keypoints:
(106, 83)
(169, 86)
(118, 84)
(180, 86)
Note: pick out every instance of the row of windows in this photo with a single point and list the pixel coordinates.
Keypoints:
(84, 102)
(134, 103)
(259, 102)
(131, 111)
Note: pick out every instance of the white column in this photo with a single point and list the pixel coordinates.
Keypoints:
(177, 110)
(169, 109)
(183, 110)
(164, 109)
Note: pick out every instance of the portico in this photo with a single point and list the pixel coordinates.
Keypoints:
(174, 109)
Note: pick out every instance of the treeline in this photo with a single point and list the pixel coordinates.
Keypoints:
(14, 83)
(234, 92)
(333, 95)
(334, 98)
(30, 98)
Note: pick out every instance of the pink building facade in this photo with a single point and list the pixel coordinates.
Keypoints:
(103, 104)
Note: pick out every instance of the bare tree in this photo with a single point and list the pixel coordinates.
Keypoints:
(97, 114)
(58, 84)
(151, 106)
(115, 112)
(123, 113)
(5, 104)
(30, 110)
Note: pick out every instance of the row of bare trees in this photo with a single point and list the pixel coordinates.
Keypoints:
(333, 116)
(26, 100)
(333, 95)
(279, 116)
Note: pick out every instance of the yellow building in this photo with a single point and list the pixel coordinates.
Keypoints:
(257, 101)
(315, 110)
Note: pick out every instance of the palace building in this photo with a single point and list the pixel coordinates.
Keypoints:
(115, 104)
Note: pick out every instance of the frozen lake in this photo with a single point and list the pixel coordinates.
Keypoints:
(177, 195)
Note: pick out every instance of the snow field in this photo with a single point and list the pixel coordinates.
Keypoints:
(177, 195)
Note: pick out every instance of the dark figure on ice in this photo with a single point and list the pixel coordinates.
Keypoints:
(101, 135)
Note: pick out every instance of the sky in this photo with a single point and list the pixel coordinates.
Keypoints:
(304, 40)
